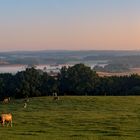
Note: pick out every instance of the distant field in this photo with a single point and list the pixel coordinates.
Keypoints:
(74, 118)
(132, 71)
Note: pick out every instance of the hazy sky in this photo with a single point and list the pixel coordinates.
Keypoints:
(69, 24)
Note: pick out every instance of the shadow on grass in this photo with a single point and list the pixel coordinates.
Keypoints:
(28, 134)
(38, 131)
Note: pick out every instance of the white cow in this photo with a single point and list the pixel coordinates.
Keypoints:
(25, 105)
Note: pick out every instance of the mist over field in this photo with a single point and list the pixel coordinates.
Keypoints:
(128, 58)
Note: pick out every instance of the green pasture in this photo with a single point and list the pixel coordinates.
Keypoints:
(73, 118)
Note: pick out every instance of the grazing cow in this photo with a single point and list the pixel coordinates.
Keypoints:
(6, 118)
(26, 100)
(25, 105)
(55, 98)
(54, 94)
(6, 100)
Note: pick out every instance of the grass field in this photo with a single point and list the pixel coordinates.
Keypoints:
(73, 118)
(128, 73)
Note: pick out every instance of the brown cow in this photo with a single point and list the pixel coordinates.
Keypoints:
(6, 100)
(6, 118)
(55, 98)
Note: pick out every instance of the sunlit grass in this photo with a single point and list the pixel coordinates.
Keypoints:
(73, 118)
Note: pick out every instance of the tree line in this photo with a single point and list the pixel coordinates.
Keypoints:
(76, 80)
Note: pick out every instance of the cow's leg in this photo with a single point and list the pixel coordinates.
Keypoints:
(3, 123)
(11, 123)
(8, 123)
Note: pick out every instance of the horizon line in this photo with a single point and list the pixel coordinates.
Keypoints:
(59, 50)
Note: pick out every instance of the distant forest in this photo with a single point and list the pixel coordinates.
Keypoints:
(76, 80)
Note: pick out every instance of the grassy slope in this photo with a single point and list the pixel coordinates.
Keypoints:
(74, 118)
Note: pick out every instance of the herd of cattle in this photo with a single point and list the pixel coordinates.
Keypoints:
(6, 118)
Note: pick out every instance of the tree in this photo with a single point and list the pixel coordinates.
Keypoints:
(63, 81)
(78, 80)
(28, 83)
(48, 84)
(7, 86)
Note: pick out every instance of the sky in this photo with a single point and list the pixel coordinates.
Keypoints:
(69, 25)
